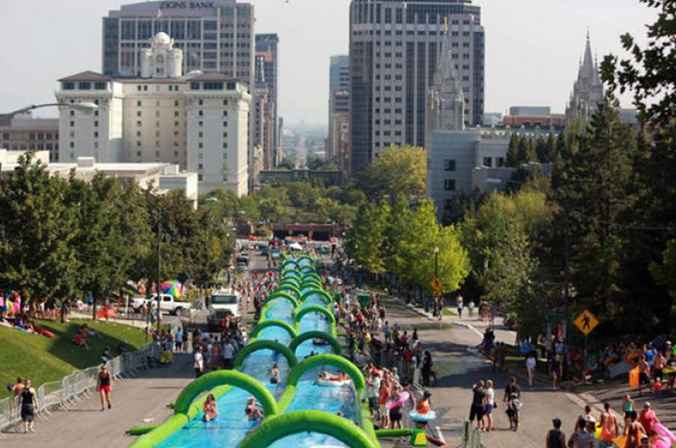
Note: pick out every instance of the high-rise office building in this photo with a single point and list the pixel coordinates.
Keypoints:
(267, 48)
(263, 119)
(394, 49)
(214, 36)
(339, 81)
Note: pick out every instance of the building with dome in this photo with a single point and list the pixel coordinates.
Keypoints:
(161, 60)
(588, 89)
(198, 121)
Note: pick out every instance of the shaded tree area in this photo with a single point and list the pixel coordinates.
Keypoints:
(62, 239)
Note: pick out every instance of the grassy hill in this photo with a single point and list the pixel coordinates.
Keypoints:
(43, 360)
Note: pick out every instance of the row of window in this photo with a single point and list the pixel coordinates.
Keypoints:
(27, 147)
(411, 33)
(34, 136)
(84, 85)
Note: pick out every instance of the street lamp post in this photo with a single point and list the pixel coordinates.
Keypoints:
(6, 119)
(159, 267)
(436, 278)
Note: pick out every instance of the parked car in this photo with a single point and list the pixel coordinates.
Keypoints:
(167, 304)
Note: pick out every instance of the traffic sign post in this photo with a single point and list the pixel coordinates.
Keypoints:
(586, 322)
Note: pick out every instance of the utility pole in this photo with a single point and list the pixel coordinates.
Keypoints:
(159, 267)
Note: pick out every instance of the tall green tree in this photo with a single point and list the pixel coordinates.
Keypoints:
(647, 73)
(512, 151)
(364, 241)
(398, 172)
(100, 244)
(525, 151)
(594, 196)
(37, 230)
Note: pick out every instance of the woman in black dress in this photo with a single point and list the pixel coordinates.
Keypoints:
(28, 405)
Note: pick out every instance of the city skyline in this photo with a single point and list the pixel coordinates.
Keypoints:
(531, 56)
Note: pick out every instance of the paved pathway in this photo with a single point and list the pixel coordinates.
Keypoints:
(136, 401)
(459, 367)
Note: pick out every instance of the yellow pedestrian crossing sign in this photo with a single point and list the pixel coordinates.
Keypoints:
(586, 322)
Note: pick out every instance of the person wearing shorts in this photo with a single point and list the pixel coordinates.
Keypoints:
(104, 387)
(477, 409)
(489, 405)
(28, 405)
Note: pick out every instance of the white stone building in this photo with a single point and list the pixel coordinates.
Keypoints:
(198, 121)
(163, 177)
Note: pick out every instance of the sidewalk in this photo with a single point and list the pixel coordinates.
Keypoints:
(136, 401)
(459, 366)
(593, 395)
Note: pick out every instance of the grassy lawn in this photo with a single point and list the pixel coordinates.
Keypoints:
(43, 360)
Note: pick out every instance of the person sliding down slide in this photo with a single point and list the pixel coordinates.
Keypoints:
(210, 411)
(326, 376)
(252, 410)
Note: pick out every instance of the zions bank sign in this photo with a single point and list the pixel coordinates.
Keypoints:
(187, 5)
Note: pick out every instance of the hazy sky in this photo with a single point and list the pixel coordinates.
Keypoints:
(533, 46)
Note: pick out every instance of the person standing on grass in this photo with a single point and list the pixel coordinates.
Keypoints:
(29, 403)
(104, 387)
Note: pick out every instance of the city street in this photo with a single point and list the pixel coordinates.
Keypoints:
(459, 367)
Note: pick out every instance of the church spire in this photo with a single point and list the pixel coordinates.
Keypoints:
(588, 89)
(588, 60)
(446, 100)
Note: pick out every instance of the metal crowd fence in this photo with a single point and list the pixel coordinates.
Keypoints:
(77, 386)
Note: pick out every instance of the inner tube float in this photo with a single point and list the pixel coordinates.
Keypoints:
(329, 383)
(422, 418)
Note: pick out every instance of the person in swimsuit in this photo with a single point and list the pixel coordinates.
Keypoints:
(609, 427)
(424, 407)
(210, 411)
(628, 408)
(634, 433)
(274, 374)
(252, 410)
(104, 387)
(28, 404)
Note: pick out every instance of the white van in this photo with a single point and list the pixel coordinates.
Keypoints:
(225, 301)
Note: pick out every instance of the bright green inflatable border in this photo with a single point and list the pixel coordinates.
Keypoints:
(365, 437)
(290, 281)
(284, 425)
(315, 309)
(317, 291)
(289, 288)
(273, 323)
(312, 335)
(265, 344)
(230, 377)
(282, 295)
